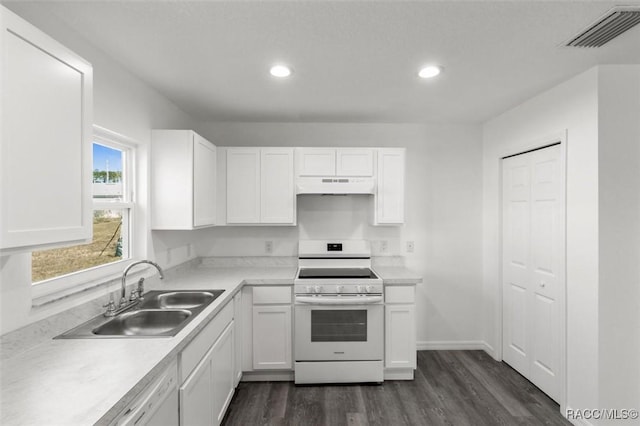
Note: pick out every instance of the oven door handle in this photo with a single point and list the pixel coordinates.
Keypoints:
(319, 300)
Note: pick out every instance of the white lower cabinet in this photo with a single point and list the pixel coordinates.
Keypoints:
(237, 337)
(267, 333)
(272, 337)
(400, 332)
(196, 395)
(208, 388)
(272, 331)
(223, 373)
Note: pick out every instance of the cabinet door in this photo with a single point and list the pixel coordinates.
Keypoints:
(400, 333)
(46, 133)
(204, 181)
(277, 192)
(316, 161)
(390, 193)
(196, 395)
(237, 338)
(354, 162)
(272, 337)
(222, 373)
(243, 185)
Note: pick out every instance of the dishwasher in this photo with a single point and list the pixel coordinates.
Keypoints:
(157, 404)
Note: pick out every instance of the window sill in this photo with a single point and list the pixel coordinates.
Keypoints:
(104, 277)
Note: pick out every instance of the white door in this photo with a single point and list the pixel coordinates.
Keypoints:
(533, 265)
(204, 181)
(277, 194)
(243, 185)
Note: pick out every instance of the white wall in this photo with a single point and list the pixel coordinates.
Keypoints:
(619, 275)
(123, 104)
(571, 106)
(443, 205)
(601, 121)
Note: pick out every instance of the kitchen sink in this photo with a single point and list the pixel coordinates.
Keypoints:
(160, 314)
(180, 299)
(143, 322)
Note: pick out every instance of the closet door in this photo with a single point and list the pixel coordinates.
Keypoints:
(533, 262)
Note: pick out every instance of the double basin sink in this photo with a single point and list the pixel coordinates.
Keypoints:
(160, 314)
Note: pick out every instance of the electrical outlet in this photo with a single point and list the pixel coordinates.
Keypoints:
(268, 247)
(384, 246)
(410, 246)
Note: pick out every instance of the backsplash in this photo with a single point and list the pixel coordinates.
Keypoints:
(320, 217)
(247, 262)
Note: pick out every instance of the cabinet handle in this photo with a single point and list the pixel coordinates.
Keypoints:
(139, 418)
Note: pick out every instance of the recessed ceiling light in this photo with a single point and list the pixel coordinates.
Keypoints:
(280, 71)
(430, 71)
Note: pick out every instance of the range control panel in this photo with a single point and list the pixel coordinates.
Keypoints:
(334, 246)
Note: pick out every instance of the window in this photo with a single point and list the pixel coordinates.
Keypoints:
(113, 211)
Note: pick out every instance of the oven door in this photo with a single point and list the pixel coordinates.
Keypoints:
(339, 328)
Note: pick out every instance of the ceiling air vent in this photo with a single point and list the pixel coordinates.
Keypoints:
(611, 25)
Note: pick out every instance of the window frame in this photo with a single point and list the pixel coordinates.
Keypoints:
(98, 275)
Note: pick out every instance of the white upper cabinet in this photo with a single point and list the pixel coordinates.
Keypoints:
(204, 182)
(276, 186)
(389, 198)
(183, 180)
(316, 161)
(46, 139)
(243, 185)
(354, 162)
(260, 186)
(334, 161)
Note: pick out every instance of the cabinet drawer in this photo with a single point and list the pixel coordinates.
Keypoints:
(403, 294)
(271, 295)
(192, 354)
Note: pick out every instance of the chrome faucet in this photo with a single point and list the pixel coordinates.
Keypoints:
(136, 294)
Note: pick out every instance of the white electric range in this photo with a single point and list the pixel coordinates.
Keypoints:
(339, 313)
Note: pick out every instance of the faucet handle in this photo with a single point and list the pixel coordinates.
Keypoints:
(111, 308)
(140, 289)
(134, 295)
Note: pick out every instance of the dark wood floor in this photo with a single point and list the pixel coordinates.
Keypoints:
(450, 388)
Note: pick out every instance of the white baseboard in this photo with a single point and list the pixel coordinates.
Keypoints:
(454, 345)
(489, 349)
(267, 376)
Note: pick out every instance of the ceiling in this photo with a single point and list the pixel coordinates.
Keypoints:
(353, 61)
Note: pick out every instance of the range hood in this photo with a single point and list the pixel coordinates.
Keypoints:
(335, 185)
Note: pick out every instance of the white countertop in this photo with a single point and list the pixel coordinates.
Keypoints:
(88, 381)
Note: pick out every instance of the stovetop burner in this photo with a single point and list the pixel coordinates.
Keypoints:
(320, 273)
